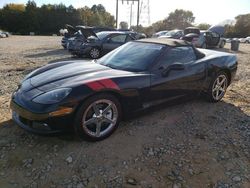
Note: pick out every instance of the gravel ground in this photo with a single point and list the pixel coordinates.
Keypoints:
(191, 144)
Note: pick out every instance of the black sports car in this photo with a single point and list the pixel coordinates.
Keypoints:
(92, 96)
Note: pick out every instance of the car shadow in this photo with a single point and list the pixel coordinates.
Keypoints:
(55, 52)
(71, 58)
(9, 126)
(164, 105)
(230, 51)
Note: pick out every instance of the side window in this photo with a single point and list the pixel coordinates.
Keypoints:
(178, 55)
(128, 38)
(215, 35)
(118, 39)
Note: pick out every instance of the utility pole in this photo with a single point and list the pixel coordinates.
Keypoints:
(138, 15)
(116, 14)
(138, 11)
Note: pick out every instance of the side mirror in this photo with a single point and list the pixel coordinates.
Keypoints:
(108, 40)
(175, 66)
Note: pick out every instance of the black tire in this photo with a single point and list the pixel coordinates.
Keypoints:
(95, 53)
(214, 88)
(222, 44)
(89, 132)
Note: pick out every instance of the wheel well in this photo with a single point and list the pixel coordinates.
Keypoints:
(228, 73)
(115, 94)
(97, 47)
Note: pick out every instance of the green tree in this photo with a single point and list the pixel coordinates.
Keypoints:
(179, 19)
(12, 17)
(49, 19)
(123, 25)
(204, 26)
(243, 25)
(31, 17)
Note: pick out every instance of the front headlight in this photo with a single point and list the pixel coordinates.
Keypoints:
(53, 96)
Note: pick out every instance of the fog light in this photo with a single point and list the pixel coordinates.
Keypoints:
(61, 111)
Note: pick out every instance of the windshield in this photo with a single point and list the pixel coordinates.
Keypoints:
(101, 35)
(171, 33)
(132, 56)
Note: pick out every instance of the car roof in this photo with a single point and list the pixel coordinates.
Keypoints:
(113, 32)
(166, 41)
(192, 28)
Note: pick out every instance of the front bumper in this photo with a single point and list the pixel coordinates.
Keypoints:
(40, 123)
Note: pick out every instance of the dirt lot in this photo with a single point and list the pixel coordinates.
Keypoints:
(192, 144)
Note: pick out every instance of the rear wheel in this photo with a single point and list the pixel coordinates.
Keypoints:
(222, 44)
(98, 117)
(95, 53)
(217, 88)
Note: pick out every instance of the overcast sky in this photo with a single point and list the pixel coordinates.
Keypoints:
(211, 12)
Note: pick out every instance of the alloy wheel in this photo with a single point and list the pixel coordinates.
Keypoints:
(219, 87)
(94, 53)
(99, 118)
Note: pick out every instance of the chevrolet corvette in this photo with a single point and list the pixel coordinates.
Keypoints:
(90, 97)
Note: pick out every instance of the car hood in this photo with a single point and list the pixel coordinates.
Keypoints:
(70, 28)
(217, 29)
(86, 31)
(70, 74)
(215, 54)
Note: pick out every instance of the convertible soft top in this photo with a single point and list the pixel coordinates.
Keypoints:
(167, 41)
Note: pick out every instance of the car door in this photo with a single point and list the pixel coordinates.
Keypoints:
(177, 73)
(215, 38)
(113, 42)
(209, 38)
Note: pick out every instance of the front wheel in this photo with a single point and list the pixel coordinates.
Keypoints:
(95, 53)
(98, 117)
(217, 88)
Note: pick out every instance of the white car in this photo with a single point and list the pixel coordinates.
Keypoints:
(245, 40)
(160, 33)
(2, 35)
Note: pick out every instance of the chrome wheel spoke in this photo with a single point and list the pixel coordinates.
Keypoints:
(105, 111)
(217, 94)
(108, 120)
(222, 81)
(91, 121)
(222, 89)
(96, 110)
(98, 128)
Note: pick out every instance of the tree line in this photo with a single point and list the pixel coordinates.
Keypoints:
(48, 19)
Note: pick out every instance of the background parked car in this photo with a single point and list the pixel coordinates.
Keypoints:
(245, 40)
(160, 33)
(100, 43)
(4, 34)
(174, 34)
(80, 32)
(205, 38)
(228, 40)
